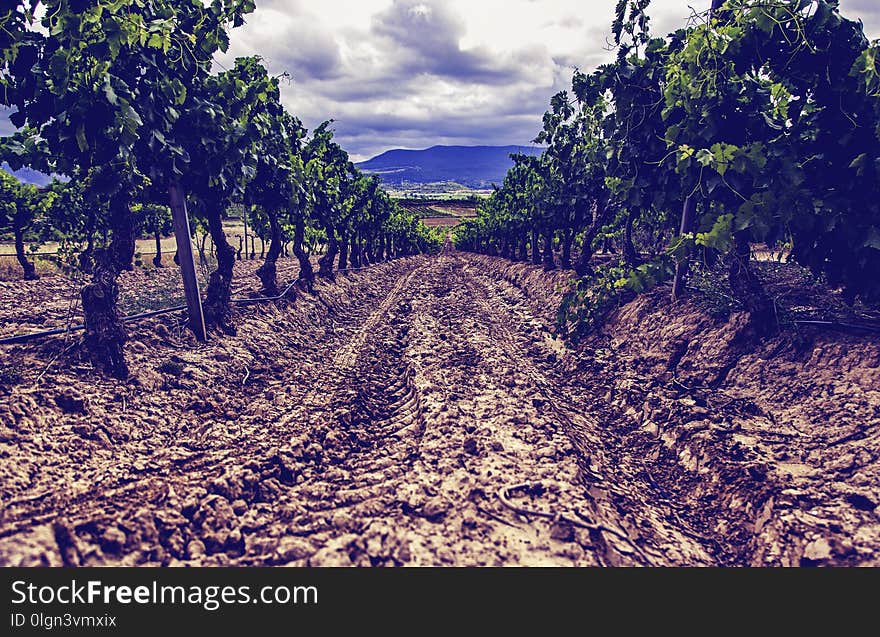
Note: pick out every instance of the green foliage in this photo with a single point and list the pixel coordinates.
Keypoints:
(765, 114)
(120, 97)
(22, 209)
(592, 297)
(9, 195)
(152, 219)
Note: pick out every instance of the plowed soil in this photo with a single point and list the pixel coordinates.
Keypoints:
(421, 412)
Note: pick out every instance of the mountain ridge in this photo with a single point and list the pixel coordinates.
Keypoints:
(472, 166)
(28, 175)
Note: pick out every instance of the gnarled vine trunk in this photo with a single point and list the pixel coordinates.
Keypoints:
(123, 244)
(306, 273)
(325, 263)
(343, 251)
(105, 334)
(356, 251)
(629, 250)
(582, 265)
(536, 249)
(549, 262)
(200, 244)
(747, 287)
(523, 254)
(30, 272)
(157, 259)
(268, 271)
(567, 240)
(218, 312)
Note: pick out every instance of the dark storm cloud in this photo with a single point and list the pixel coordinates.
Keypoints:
(423, 38)
(408, 81)
(353, 88)
(404, 79)
(465, 125)
(313, 55)
(365, 127)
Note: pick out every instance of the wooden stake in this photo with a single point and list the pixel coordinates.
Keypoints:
(244, 220)
(688, 211)
(187, 262)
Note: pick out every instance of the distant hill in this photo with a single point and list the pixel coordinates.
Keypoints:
(28, 176)
(472, 166)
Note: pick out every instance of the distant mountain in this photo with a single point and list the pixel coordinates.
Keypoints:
(28, 176)
(472, 166)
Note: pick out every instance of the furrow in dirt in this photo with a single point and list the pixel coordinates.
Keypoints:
(418, 412)
(617, 496)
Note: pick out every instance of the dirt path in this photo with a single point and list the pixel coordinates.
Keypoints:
(411, 414)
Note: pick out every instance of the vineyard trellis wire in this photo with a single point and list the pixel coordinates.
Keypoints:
(24, 338)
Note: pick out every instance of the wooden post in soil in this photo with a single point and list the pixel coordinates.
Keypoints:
(689, 209)
(244, 221)
(187, 262)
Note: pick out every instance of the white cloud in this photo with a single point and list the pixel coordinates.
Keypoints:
(414, 73)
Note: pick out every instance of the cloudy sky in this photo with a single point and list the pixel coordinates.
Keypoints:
(415, 73)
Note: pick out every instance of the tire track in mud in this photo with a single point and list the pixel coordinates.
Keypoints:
(360, 425)
(191, 460)
(384, 440)
(618, 498)
(347, 355)
(484, 433)
(423, 421)
(415, 428)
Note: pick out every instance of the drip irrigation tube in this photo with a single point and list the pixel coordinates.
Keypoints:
(840, 326)
(24, 338)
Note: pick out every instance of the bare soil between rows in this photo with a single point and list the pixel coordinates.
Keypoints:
(422, 412)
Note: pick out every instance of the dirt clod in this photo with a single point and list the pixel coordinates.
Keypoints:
(71, 402)
(113, 540)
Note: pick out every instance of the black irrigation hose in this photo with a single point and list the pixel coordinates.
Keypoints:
(24, 338)
(840, 326)
(12, 255)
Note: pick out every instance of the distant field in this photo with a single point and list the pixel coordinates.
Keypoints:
(446, 212)
(457, 209)
(445, 222)
(437, 192)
